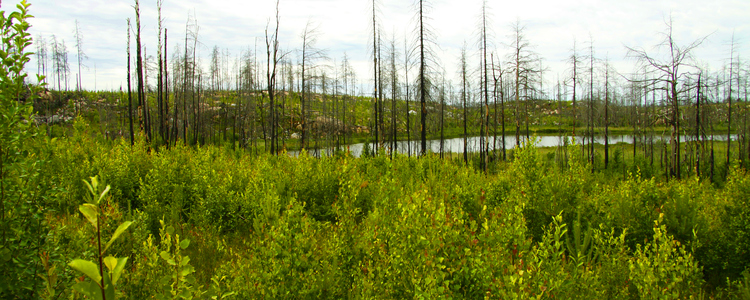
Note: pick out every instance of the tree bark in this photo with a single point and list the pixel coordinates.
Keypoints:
(130, 98)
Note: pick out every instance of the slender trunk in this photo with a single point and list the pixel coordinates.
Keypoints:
(518, 98)
(160, 82)
(606, 119)
(744, 125)
(196, 106)
(463, 98)
(394, 82)
(485, 90)
(653, 117)
(676, 118)
(591, 107)
(442, 127)
(697, 128)
(575, 80)
(526, 107)
(130, 97)
(729, 126)
(712, 158)
(408, 116)
(273, 45)
(166, 90)
(196, 112)
(303, 93)
(101, 261)
(422, 80)
(494, 100)
(375, 74)
(502, 114)
(185, 88)
(142, 107)
(381, 102)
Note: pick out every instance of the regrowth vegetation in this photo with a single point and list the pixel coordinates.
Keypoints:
(200, 205)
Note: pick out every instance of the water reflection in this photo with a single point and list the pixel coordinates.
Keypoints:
(456, 145)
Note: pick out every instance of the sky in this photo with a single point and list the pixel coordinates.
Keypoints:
(550, 27)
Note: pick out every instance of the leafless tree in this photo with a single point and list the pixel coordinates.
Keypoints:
(310, 54)
(376, 69)
(464, 96)
(348, 74)
(273, 56)
(666, 74)
(733, 67)
(484, 107)
(407, 67)
(41, 55)
(142, 103)
(590, 118)
(607, 68)
(393, 74)
(521, 62)
(425, 39)
(130, 89)
(575, 61)
(497, 75)
(81, 55)
(160, 80)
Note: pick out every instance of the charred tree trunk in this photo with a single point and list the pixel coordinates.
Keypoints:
(130, 97)
(142, 104)
(463, 99)
(422, 80)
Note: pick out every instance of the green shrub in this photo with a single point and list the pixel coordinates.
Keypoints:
(664, 269)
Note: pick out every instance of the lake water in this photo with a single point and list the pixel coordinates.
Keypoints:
(456, 145)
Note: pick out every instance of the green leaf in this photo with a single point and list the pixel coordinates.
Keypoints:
(91, 212)
(186, 270)
(88, 289)
(5, 254)
(120, 229)
(118, 270)
(110, 262)
(88, 268)
(91, 188)
(104, 194)
(185, 260)
(184, 244)
(110, 288)
(165, 255)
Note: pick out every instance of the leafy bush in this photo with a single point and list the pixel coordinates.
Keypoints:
(22, 227)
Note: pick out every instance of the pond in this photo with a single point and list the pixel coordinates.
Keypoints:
(456, 145)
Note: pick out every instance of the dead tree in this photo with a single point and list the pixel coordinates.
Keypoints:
(424, 38)
(521, 59)
(484, 107)
(272, 51)
(376, 69)
(575, 60)
(81, 55)
(666, 72)
(464, 96)
(130, 97)
(309, 55)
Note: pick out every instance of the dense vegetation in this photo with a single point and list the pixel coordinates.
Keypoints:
(83, 214)
(342, 227)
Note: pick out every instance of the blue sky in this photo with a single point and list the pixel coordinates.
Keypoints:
(551, 28)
